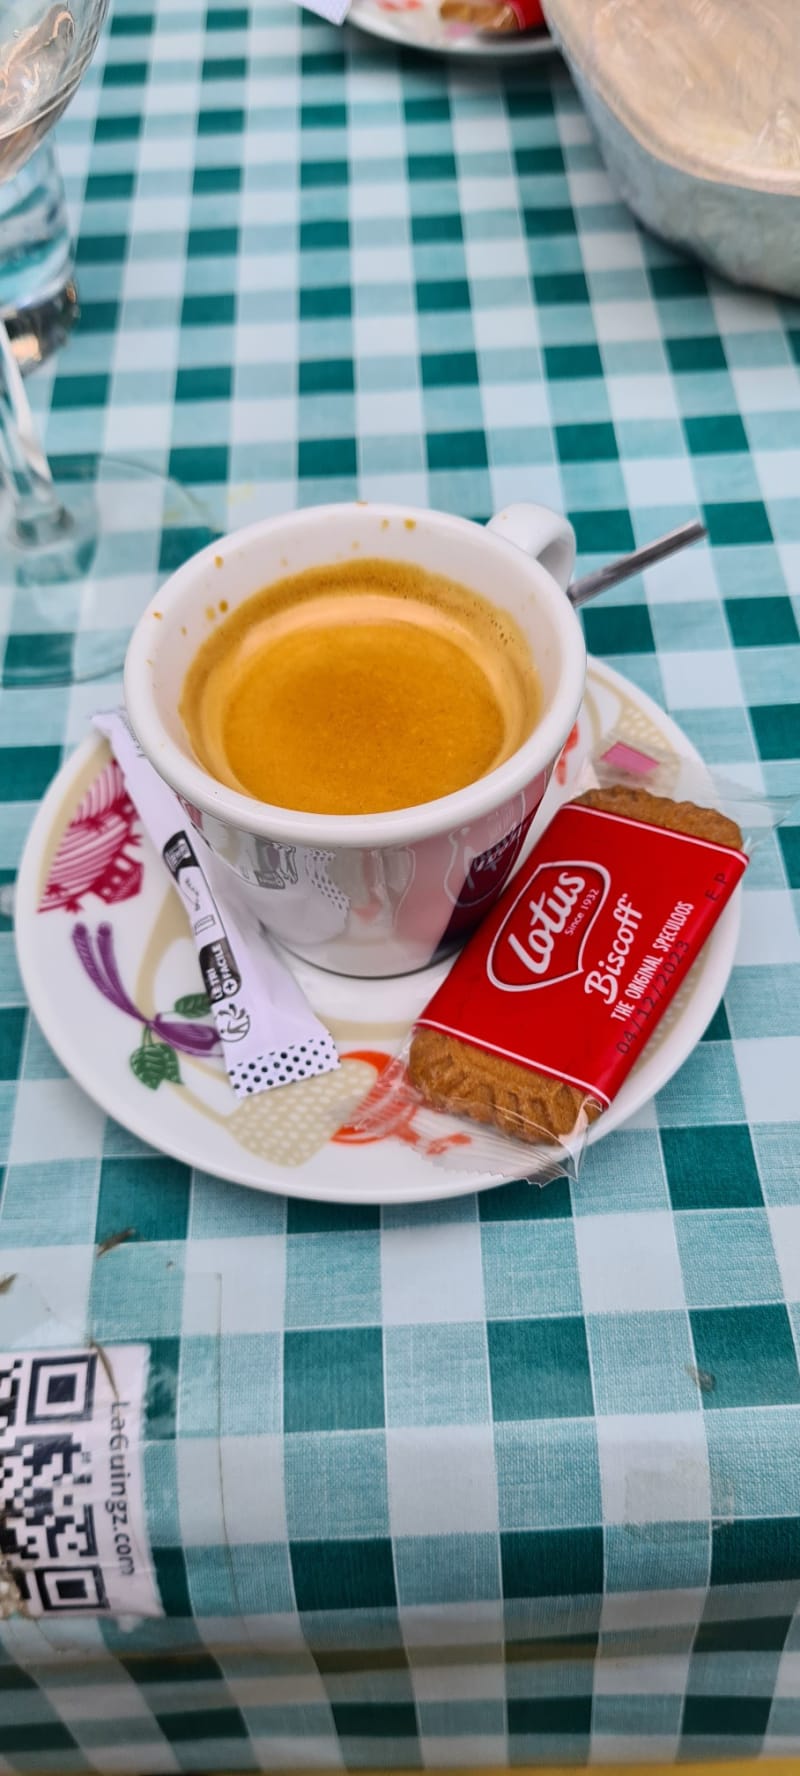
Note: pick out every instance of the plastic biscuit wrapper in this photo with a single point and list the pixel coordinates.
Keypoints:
(542, 1016)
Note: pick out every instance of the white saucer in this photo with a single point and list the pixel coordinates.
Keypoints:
(108, 875)
(419, 27)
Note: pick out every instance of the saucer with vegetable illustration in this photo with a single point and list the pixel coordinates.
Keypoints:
(112, 975)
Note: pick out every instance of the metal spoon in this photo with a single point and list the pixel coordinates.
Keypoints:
(580, 591)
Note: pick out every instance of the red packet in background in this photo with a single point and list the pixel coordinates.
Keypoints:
(528, 13)
(497, 17)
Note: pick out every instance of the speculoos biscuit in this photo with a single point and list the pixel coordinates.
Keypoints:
(453, 1076)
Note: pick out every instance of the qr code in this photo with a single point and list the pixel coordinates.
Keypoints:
(71, 1506)
(45, 1514)
(44, 1390)
(59, 1588)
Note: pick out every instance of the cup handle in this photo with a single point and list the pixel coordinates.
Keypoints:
(542, 533)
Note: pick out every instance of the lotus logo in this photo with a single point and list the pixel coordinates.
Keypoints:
(543, 935)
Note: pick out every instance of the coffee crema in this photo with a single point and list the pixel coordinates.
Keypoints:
(360, 687)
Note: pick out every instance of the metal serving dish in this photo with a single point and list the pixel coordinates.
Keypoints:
(696, 107)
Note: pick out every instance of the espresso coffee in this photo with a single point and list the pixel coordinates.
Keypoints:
(360, 687)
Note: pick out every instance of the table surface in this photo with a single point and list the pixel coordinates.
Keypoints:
(515, 1478)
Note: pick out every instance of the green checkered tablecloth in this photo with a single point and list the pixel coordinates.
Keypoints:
(516, 1478)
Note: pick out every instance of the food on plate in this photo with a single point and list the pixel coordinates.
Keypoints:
(499, 17)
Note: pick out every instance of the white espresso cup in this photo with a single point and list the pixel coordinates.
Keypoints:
(368, 894)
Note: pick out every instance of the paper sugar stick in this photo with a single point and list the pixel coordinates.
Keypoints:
(268, 1033)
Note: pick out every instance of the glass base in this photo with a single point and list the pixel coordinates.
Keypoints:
(70, 605)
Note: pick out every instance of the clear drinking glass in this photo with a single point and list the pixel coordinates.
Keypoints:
(82, 554)
(36, 258)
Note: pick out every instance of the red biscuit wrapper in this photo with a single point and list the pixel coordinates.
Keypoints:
(499, 17)
(553, 999)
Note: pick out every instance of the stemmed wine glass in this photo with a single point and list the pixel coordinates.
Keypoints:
(76, 571)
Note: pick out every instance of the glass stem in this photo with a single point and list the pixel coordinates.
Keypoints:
(38, 517)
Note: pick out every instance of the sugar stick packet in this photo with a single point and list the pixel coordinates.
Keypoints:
(268, 1033)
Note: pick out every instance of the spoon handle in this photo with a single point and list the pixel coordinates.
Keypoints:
(580, 591)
